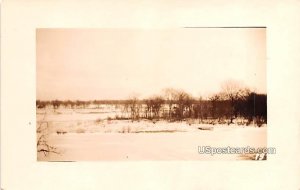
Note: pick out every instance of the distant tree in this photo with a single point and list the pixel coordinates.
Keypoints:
(125, 110)
(72, 104)
(198, 109)
(37, 103)
(97, 103)
(56, 103)
(86, 104)
(233, 91)
(214, 99)
(80, 104)
(149, 108)
(66, 103)
(170, 96)
(184, 102)
(157, 103)
(40, 104)
(134, 107)
(256, 106)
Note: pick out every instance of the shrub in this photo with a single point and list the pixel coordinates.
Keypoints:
(61, 132)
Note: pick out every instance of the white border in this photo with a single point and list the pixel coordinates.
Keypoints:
(20, 170)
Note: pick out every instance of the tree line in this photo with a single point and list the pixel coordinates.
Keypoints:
(232, 102)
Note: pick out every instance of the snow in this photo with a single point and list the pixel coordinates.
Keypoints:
(87, 135)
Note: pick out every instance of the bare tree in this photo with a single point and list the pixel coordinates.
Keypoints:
(125, 110)
(149, 108)
(214, 101)
(170, 95)
(134, 107)
(233, 91)
(157, 105)
(184, 102)
(198, 109)
(56, 104)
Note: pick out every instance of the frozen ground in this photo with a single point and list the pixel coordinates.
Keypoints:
(87, 135)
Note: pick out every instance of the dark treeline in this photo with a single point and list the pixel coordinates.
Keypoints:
(176, 105)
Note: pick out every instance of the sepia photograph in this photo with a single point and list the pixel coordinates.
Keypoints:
(150, 94)
(189, 93)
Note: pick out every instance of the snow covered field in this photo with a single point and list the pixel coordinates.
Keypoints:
(90, 135)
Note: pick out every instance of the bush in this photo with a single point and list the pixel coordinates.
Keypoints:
(61, 132)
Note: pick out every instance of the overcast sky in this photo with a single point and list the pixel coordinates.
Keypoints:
(90, 64)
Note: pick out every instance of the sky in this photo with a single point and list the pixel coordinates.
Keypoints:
(89, 64)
